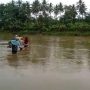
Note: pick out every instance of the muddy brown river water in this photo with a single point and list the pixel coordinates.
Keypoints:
(50, 63)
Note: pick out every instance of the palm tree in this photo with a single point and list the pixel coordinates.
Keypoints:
(44, 8)
(56, 11)
(50, 8)
(36, 8)
(74, 12)
(81, 7)
(19, 3)
(70, 12)
(60, 8)
(26, 9)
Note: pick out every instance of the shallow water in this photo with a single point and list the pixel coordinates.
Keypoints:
(50, 63)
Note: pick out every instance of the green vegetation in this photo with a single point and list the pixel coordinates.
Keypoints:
(45, 18)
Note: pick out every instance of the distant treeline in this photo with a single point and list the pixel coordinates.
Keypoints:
(44, 17)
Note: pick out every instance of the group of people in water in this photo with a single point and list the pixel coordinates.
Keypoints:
(18, 43)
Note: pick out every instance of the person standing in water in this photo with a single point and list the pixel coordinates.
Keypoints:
(14, 45)
(21, 41)
(26, 42)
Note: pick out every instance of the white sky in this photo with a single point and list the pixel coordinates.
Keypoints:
(67, 2)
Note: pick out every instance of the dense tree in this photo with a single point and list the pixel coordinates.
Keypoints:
(25, 16)
(44, 8)
(81, 7)
(70, 12)
(60, 8)
(36, 7)
(88, 17)
(50, 9)
(56, 11)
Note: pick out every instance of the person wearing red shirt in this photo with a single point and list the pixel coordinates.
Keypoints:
(26, 42)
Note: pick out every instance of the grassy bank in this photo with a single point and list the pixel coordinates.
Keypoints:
(70, 29)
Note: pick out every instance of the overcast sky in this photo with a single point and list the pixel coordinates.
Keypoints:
(67, 2)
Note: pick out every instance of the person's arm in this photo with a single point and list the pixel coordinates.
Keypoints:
(9, 44)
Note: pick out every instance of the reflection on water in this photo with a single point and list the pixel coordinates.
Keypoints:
(50, 63)
(20, 59)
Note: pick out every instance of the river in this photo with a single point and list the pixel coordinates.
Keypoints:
(49, 63)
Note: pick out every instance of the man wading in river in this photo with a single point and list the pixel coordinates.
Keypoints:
(14, 43)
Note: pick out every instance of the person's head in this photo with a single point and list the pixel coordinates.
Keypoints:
(16, 35)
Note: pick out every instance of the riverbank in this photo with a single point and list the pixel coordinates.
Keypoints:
(65, 33)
